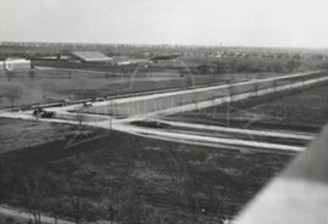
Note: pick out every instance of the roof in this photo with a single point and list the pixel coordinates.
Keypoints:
(91, 56)
(124, 60)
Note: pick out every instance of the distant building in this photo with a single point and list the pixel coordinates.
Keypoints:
(15, 64)
(124, 60)
(131, 61)
(91, 56)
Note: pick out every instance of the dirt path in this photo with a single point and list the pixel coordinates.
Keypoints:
(266, 133)
(203, 140)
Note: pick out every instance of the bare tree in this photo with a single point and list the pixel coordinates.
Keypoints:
(131, 207)
(110, 205)
(293, 65)
(69, 73)
(55, 206)
(1, 183)
(12, 92)
(82, 132)
(80, 119)
(76, 201)
(9, 75)
(32, 191)
(55, 200)
(31, 73)
(79, 194)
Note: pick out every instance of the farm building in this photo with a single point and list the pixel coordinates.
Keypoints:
(15, 64)
(91, 56)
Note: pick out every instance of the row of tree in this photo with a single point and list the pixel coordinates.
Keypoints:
(240, 67)
(75, 198)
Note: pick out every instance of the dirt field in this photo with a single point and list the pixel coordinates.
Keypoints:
(132, 178)
(305, 110)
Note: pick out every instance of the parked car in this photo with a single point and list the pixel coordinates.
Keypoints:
(43, 114)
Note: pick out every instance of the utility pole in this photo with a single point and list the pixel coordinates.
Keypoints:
(111, 116)
(1, 186)
(229, 102)
(228, 111)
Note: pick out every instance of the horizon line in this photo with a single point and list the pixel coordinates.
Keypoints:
(168, 44)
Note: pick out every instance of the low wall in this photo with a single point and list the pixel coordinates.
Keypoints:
(193, 99)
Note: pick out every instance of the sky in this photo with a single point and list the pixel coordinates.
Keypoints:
(266, 23)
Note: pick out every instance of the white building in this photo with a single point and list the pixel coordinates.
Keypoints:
(16, 64)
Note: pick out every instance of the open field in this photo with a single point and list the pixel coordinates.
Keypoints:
(17, 134)
(46, 85)
(133, 178)
(303, 110)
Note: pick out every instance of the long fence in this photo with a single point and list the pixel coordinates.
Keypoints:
(193, 99)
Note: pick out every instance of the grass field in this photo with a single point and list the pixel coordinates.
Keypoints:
(17, 134)
(305, 110)
(123, 177)
(49, 85)
(12, 220)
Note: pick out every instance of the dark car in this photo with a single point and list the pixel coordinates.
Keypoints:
(44, 114)
(48, 114)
